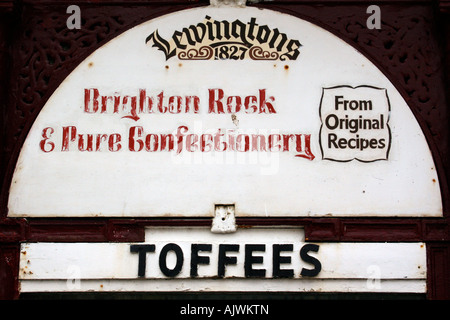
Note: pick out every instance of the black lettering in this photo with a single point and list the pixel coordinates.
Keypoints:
(238, 29)
(196, 259)
(251, 28)
(343, 143)
(176, 36)
(364, 144)
(188, 36)
(163, 257)
(275, 37)
(142, 250)
(305, 257)
(224, 259)
(278, 259)
(263, 34)
(292, 53)
(250, 259)
(337, 102)
(373, 143)
(332, 140)
(335, 122)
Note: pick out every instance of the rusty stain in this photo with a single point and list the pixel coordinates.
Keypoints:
(434, 180)
(286, 67)
(24, 252)
(180, 65)
(90, 64)
(167, 67)
(245, 226)
(235, 120)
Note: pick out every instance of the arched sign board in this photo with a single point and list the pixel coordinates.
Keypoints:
(225, 106)
(241, 107)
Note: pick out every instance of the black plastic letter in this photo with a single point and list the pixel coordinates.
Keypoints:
(224, 259)
(305, 257)
(142, 249)
(196, 259)
(250, 259)
(163, 257)
(278, 259)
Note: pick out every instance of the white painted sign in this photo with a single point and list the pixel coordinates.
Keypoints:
(217, 106)
(256, 259)
(355, 124)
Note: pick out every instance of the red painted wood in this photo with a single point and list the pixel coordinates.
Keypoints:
(9, 271)
(438, 275)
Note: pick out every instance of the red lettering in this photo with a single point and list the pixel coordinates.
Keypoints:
(175, 104)
(242, 146)
(133, 105)
(218, 144)
(105, 102)
(234, 103)
(272, 143)
(46, 134)
(89, 142)
(286, 138)
(263, 102)
(161, 108)
(149, 146)
(116, 104)
(99, 139)
(145, 102)
(258, 146)
(215, 103)
(179, 136)
(307, 154)
(113, 142)
(164, 138)
(88, 106)
(69, 135)
(132, 139)
(237, 104)
(82, 146)
(142, 97)
(195, 100)
(191, 140)
(206, 138)
(250, 104)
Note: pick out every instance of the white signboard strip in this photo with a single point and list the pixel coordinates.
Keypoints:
(226, 285)
(183, 256)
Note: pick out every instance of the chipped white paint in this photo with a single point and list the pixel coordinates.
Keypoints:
(227, 3)
(125, 178)
(224, 221)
